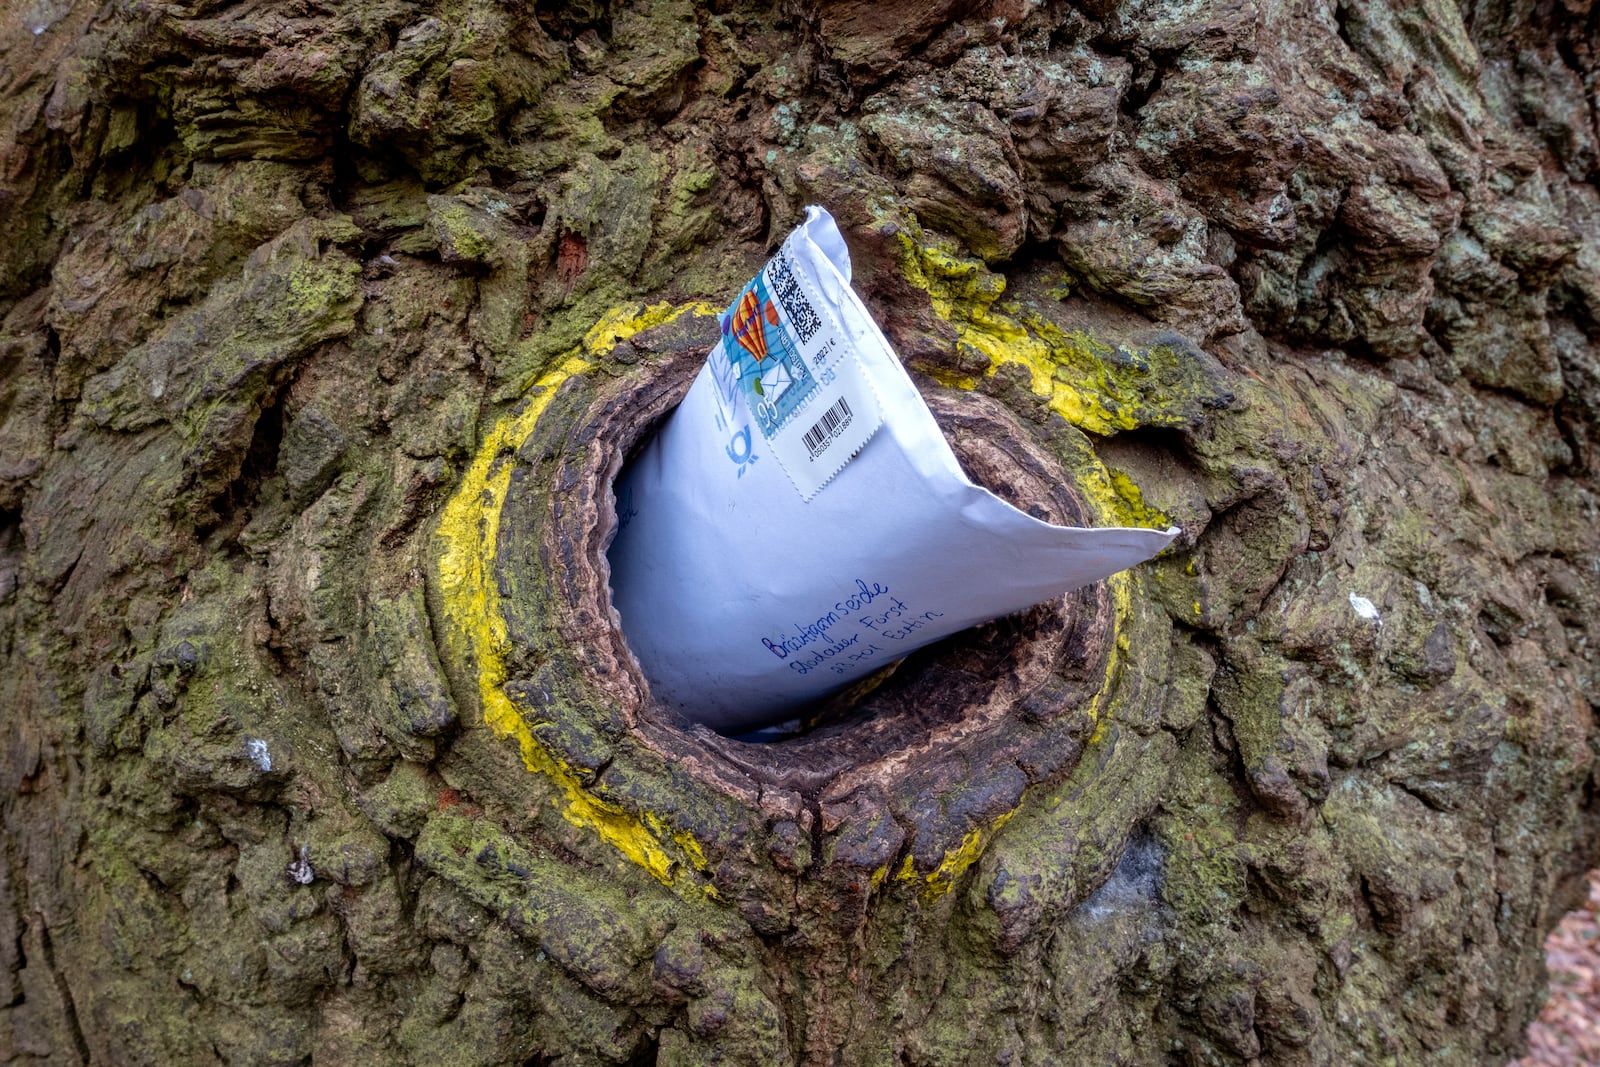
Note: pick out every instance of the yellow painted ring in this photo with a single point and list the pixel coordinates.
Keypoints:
(468, 533)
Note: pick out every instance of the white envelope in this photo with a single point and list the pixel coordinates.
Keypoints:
(775, 548)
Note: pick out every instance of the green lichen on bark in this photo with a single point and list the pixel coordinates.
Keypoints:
(1306, 790)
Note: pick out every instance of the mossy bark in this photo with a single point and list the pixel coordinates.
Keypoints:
(323, 329)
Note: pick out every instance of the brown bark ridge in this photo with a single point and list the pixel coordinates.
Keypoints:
(325, 327)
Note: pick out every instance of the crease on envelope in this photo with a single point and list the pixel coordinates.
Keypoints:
(742, 598)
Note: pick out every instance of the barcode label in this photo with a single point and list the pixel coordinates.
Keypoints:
(832, 423)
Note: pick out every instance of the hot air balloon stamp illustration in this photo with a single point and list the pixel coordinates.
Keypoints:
(758, 338)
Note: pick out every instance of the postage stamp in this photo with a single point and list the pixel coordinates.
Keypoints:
(787, 364)
(765, 354)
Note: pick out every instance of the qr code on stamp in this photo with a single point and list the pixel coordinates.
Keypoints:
(802, 316)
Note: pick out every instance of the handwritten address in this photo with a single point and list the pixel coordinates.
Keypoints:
(866, 624)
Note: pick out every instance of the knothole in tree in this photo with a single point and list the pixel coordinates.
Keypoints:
(982, 716)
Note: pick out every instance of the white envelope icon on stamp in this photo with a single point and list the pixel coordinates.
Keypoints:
(775, 379)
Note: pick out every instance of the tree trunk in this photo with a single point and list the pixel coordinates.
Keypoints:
(326, 327)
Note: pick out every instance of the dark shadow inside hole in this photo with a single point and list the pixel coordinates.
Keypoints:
(918, 686)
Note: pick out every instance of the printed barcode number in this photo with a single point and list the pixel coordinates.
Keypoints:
(834, 420)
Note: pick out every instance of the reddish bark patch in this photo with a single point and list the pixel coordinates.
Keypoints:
(572, 257)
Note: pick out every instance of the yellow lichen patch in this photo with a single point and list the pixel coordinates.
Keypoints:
(1132, 505)
(966, 294)
(1121, 585)
(619, 324)
(952, 380)
(1086, 381)
(939, 881)
(469, 530)
(880, 876)
(691, 848)
(1114, 497)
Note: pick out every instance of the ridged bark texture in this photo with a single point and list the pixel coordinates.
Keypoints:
(324, 328)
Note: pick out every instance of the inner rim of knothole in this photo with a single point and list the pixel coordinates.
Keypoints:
(983, 667)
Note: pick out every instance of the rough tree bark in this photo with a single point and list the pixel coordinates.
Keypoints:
(326, 325)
